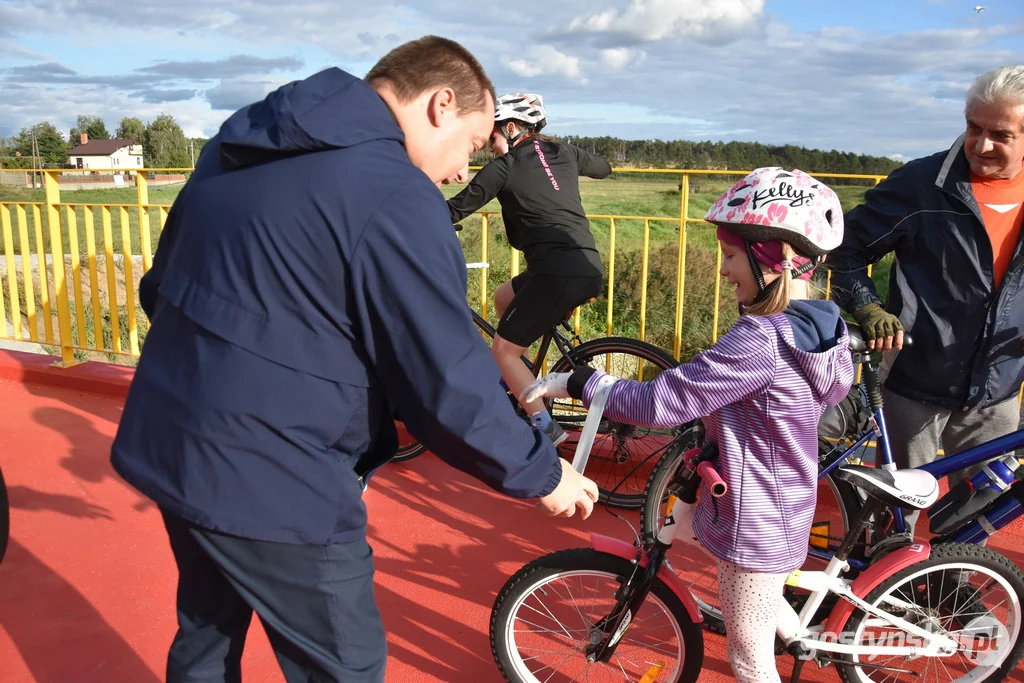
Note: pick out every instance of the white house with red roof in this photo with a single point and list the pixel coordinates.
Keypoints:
(117, 154)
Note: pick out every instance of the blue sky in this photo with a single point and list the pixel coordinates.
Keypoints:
(872, 77)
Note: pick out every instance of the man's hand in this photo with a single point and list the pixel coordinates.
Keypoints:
(554, 385)
(573, 491)
(882, 329)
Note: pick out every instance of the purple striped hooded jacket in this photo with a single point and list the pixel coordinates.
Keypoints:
(760, 391)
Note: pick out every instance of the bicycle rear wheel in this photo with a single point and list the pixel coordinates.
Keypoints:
(967, 592)
(623, 456)
(548, 612)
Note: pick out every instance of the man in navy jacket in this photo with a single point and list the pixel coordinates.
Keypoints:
(307, 286)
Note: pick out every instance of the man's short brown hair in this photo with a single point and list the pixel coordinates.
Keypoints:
(433, 62)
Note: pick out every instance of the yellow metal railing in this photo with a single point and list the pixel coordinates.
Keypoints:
(101, 246)
(117, 250)
(684, 221)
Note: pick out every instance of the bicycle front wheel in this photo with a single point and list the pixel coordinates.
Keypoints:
(623, 456)
(966, 592)
(551, 610)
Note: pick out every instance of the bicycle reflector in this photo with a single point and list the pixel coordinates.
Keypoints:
(652, 674)
(819, 535)
(672, 500)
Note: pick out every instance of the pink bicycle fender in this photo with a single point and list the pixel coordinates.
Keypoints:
(874, 575)
(614, 546)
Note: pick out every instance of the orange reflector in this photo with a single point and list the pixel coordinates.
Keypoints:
(819, 535)
(672, 500)
(652, 674)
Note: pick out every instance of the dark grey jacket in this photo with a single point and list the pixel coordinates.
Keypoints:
(968, 347)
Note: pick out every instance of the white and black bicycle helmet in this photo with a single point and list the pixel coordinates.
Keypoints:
(775, 204)
(526, 109)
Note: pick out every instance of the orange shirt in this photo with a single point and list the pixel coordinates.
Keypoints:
(1001, 203)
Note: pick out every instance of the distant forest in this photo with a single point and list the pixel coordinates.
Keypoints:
(723, 156)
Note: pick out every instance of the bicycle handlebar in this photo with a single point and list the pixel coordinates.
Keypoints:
(711, 477)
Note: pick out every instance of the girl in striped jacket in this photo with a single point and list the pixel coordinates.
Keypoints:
(760, 391)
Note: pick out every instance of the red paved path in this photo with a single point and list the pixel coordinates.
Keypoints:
(86, 590)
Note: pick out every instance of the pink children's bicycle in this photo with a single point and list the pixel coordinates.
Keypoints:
(618, 612)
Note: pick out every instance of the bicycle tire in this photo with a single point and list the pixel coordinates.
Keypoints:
(609, 482)
(5, 517)
(584, 560)
(951, 554)
(408, 451)
(655, 498)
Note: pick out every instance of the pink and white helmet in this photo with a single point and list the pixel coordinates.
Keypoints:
(776, 204)
(524, 107)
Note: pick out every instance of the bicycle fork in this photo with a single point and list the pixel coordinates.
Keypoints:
(608, 631)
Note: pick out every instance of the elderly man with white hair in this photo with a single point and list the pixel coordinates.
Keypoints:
(953, 220)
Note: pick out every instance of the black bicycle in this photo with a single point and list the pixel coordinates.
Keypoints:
(621, 458)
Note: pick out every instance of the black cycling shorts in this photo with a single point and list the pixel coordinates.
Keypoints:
(541, 301)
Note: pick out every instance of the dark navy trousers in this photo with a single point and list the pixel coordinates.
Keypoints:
(315, 602)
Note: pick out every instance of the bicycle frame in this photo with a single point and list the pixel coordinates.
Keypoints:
(794, 628)
(563, 343)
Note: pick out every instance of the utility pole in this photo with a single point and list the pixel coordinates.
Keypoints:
(192, 151)
(35, 154)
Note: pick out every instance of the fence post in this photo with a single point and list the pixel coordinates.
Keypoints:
(142, 190)
(60, 284)
(483, 271)
(684, 208)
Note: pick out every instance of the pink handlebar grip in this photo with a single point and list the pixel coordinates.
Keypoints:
(715, 483)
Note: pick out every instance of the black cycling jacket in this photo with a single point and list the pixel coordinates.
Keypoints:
(537, 184)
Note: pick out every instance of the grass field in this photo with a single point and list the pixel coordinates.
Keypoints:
(620, 195)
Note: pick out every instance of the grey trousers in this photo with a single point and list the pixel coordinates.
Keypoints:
(917, 431)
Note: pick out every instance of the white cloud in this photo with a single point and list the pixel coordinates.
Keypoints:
(11, 49)
(618, 57)
(658, 19)
(547, 61)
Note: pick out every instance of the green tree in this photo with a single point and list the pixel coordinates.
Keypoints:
(165, 144)
(131, 128)
(92, 126)
(49, 141)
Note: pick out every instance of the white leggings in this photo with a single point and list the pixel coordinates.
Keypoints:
(750, 608)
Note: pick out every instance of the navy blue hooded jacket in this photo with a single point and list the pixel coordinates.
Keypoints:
(968, 349)
(308, 285)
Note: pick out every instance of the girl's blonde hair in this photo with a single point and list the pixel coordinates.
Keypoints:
(777, 299)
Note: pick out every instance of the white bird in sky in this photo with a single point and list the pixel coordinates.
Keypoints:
(978, 9)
